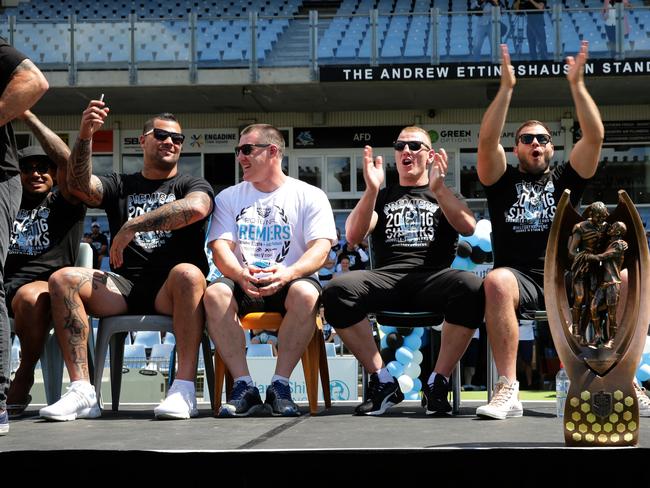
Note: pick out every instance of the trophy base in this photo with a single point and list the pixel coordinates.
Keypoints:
(601, 415)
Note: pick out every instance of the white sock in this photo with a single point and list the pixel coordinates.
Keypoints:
(185, 384)
(85, 384)
(433, 377)
(247, 379)
(385, 376)
(282, 379)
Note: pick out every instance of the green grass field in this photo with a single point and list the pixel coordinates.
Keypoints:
(523, 395)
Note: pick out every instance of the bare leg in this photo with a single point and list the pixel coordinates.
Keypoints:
(181, 297)
(225, 329)
(75, 292)
(298, 326)
(359, 340)
(455, 339)
(502, 297)
(31, 307)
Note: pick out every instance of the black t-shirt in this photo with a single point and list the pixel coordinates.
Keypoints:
(153, 254)
(44, 238)
(528, 5)
(97, 242)
(10, 58)
(522, 207)
(411, 231)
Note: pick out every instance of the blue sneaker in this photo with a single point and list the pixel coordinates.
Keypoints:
(4, 423)
(244, 401)
(278, 400)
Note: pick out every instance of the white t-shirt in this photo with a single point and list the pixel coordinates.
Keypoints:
(272, 228)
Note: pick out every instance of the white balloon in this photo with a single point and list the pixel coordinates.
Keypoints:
(405, 383)
(412, 370)
(417, 357)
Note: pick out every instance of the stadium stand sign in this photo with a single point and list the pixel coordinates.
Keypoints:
(620, 131)
(456, 71)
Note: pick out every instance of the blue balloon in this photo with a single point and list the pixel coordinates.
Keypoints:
(417, 332)
(395, 368)
(412, 342)
(387, 329)
(412, 395)
(404, 355)
(417, 384)
(465, 264)
(382, 343)
(473, 239)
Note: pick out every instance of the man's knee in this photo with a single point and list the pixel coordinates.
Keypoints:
(186, 277)
(302, 296)
(65, 279)
(499, 284)
(217, 296)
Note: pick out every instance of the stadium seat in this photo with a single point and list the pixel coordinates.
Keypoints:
(135, 356)
(159, 358)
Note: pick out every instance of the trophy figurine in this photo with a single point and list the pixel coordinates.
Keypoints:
(598, 326)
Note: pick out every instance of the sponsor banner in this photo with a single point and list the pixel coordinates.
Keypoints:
(344, 378)
(623, 131)
(456, 71)
(466, 135)
(343, 137)
(195, 140)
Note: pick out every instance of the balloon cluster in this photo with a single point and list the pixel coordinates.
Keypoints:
(474, 249)
(643, 371)
(400, 350)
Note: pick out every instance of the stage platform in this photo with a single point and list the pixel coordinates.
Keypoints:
(334, 446)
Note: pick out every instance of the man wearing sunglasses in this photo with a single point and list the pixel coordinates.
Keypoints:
(45, 237)
(156, 217)
(21, 85)
(414, 228)
(269, 236)
(522, 202)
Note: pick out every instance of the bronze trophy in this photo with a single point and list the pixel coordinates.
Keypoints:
(599, 347)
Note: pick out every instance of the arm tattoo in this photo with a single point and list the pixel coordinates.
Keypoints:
(80, 177)
(171, 216)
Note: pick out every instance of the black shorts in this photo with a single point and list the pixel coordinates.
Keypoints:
(456, 294)
(531, 295)
(274, 303)
(140, 295)
(525, 351)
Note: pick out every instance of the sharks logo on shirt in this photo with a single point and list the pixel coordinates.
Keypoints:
(534, 209)
(264, 233)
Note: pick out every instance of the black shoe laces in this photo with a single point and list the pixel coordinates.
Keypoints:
(282, 391)
(239, 389)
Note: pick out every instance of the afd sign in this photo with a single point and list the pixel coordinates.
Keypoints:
(454, 71)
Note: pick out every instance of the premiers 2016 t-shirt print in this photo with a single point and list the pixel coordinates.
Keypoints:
(264, 234)
(534, 209)
(30, 234)
(142, 203)
(409, 222)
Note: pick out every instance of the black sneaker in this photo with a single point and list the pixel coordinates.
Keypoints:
(381, 396)
(278, 400)
(434, 397)
(245, 400)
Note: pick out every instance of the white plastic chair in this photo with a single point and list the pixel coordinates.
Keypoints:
(135, 356)
(113, 330)
(330, 349)
(159, 358)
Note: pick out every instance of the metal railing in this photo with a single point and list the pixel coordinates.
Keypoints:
(375, 38)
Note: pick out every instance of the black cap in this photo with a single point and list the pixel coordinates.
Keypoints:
(32, 152)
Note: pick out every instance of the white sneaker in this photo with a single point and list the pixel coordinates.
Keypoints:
(180, 402)
(505, 401)
(79, 402)
(642, 399)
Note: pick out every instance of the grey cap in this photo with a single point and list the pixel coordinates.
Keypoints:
(95, 224)
(31, 152)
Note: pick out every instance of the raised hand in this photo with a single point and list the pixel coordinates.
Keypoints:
(373, 169)
(576, 71)
(93, 118)
(507, 71)
(438, 170)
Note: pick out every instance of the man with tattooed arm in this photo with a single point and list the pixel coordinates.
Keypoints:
(158, 265)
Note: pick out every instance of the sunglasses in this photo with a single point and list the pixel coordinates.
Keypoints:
(413, 145)
(41, 167)
(162, 135)
(543, 139)
(246, 149)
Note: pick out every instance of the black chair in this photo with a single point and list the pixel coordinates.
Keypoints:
(431, 320)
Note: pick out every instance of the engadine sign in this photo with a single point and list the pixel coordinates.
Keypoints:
(195, 140)
(470, 71)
